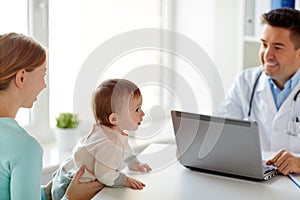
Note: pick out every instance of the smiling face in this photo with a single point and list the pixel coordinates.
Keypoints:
(33, 84)
(278, 55)
(131, 115)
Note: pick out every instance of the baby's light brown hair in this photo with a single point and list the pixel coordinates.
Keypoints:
(110, 97)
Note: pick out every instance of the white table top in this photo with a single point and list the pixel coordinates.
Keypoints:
(53, 156)
(170, 180)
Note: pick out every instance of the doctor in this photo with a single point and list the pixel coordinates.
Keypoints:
(269, 94)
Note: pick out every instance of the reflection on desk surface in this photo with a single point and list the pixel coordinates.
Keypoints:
(170, 180)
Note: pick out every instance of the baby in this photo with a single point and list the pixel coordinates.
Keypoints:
(117, 107)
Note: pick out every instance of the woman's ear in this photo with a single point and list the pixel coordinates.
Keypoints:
(20, 78)
(113, 119)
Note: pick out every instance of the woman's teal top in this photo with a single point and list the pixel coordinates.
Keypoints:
(20, 162)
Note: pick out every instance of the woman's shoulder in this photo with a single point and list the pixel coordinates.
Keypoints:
(15, 137)
(27, 144)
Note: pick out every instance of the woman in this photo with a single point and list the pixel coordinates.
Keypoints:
(22, 71)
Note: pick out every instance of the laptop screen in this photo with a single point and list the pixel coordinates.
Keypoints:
(218, 144)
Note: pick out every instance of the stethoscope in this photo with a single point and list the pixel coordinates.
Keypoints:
(290, 129)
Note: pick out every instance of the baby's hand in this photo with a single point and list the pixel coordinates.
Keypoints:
(134, 184)
(141, 167)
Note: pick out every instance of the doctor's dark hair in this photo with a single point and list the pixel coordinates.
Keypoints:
(286, 18)
(18, 52)
(110, 97)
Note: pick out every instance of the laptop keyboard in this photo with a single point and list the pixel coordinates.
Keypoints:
(267, 168)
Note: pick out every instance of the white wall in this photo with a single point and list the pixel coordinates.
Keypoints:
(228, 39)
(216, 26)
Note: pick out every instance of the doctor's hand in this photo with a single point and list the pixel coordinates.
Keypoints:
(82, 191)
(285, 162)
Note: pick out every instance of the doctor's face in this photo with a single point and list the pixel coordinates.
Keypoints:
(278, 55)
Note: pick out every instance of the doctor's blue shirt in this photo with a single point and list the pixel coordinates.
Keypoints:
(281, 95)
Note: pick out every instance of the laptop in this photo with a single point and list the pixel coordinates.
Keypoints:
(220, 145)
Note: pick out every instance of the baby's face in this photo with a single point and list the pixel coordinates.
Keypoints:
(132, 115)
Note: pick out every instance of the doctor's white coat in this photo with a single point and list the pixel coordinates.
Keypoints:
(272, 123)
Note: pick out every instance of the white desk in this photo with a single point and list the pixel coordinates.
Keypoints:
(53, 156)
(170, 180)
